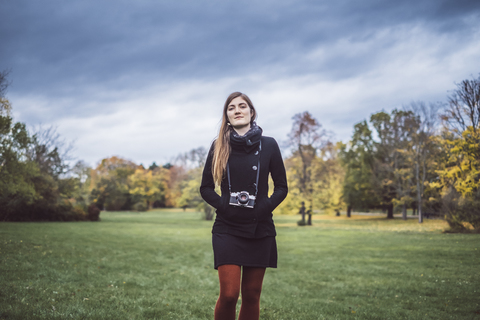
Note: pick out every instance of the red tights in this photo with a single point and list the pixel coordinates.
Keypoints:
(251, 286)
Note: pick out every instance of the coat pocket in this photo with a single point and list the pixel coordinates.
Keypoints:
(263, 208)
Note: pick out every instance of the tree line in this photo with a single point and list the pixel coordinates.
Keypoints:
(425, 157)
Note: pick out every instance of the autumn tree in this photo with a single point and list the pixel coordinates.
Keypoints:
(404, 126)
(384, 157)
(357, 159)
(148, 187)
(143, 188)
(31, 183)
(313, 169)
(327, 176)
(110, 183)
(161, 179)
(304, 139)
(460, 169)
(424, 151)
(17, 188)
(190, 197)
(459, 177)
(392, 169)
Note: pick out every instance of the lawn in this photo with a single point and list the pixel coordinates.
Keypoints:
(159, 265)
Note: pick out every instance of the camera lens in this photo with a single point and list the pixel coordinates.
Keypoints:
(243, 197)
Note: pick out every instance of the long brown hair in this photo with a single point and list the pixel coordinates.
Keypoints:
(222, 144)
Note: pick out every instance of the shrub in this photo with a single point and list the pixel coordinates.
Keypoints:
(140, 206)
(459, 209)
(93, 212)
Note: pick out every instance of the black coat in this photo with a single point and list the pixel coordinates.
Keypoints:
(241, 221)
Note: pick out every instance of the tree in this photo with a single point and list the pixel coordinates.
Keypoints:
(161, 178)
(404, 125)
(194, 158)
(191, 194)
(143, 187)
(190, 184)
(463, 107)
(153, 166)
(50, 152)
(80, 175)
(384, 164)
(459, 176)
(30, 183)
(357, 159)
(424, 150)
(110, 183)
(327, 178)
(16, 175)
(305, 137)
(392, 170)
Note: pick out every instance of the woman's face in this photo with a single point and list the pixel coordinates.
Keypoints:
(239, 113)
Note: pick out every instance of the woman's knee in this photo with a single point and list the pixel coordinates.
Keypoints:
(229, 276)
(252, 284)
(251, 294)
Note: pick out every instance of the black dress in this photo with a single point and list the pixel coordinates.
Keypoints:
(246, 236)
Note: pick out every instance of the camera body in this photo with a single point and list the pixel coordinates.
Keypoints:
(242, 199)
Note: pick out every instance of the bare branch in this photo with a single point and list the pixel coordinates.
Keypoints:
(463, 108)
(4, 83)
(50, 151)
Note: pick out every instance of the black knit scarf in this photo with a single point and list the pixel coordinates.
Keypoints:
(249, 141)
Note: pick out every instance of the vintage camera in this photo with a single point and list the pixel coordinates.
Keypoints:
(242, 199)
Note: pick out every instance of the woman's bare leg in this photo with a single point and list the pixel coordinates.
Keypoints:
(229, 277)
(252, 280)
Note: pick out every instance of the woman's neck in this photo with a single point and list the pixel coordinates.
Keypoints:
(242, 130)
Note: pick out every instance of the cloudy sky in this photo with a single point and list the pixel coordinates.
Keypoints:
(147, 79)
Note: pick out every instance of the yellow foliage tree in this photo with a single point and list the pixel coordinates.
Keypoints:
(324, 186)
(459, 176)
(461, 167)
(143, 188)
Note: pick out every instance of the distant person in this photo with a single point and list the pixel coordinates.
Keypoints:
(243, 235)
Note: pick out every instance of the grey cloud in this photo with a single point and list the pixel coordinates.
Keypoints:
(82, 58)
(71, 44)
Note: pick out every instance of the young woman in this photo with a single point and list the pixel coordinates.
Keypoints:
(243, 239)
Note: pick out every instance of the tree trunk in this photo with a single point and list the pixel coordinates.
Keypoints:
(419, 194)
(404, 211)
(390, 211)
(349, 211)
(303, 180)
(420, 215)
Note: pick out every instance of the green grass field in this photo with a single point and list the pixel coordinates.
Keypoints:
(159, 265)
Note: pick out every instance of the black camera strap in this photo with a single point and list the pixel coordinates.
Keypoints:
(258, 172)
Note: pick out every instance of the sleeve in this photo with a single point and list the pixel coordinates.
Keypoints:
(279, 177)
(207, 187)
